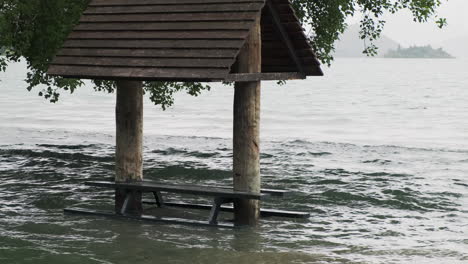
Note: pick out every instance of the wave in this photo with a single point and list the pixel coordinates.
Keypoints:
(69, 147)
(185, 152)
(74, 156)
(305, 142)
(396, 199)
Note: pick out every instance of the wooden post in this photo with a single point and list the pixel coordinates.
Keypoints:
(129, 141)
(246, 138)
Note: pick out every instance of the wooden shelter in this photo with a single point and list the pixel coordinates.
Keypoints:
(183, 40)
(241, 41)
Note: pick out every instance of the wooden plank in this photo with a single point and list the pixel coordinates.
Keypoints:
(284, 62)
(160, 2)
(267, 191)
(150, 218)
(278, 68)
(310, 70)
(272, 192)
(154, 9)
(145, 62)
(249, 77)
(195, 34)
(281, 53)
(150, 53)
(169, 26)
(263, 212)
(268, 44)
(284, 17)
(278, 61)
(290, 26)
(284, 35)
(99, 72)
(221, 17)
(294, 36)
(284, 8)
(185, 189)
(138, 44)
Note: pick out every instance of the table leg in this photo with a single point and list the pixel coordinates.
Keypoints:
(159, 198)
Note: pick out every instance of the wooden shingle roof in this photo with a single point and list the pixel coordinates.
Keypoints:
(182, 40)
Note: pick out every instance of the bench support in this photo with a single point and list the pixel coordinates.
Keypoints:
(159, 199)
(263, 212)
(217, 202)
(128, 202)
(150, 218)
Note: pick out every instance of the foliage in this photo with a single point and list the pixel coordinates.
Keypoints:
(418, 52)
(35, 30)
(327, 19)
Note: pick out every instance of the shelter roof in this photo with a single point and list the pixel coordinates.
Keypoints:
(183, 40)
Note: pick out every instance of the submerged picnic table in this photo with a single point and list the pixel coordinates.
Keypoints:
(221, 195)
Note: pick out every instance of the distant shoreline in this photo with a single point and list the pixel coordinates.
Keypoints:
(418, 52)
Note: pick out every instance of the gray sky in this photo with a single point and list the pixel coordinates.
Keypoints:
(401, 28)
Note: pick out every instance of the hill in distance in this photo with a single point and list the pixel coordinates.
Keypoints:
(350, 45)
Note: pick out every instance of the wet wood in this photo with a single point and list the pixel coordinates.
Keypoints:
(246, 136)
(129, 143)
(263, 212)
(264, 191)
(146, 186)
(149, 218)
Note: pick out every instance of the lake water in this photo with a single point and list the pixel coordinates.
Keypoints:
(376, 151)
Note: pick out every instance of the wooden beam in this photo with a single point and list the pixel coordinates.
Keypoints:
(129, 144)
(249, 77)
(246, 134)
(145, 186)
(150, 218)
(263, 212)
(284, 35)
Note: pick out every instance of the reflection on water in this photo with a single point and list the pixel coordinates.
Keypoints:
(396, 192)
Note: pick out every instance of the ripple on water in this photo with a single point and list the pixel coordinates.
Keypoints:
(357, 208)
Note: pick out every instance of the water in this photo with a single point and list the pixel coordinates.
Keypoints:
(376, 151)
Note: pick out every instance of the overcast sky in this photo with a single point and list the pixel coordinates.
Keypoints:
(401, 28)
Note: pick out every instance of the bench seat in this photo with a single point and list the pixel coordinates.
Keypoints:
(147, 186)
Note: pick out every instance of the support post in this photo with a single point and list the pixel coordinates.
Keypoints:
(129, 142)
(246, 139)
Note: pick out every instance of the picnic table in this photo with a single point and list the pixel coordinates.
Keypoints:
(221, 195)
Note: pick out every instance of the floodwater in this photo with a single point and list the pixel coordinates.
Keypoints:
(376, 151)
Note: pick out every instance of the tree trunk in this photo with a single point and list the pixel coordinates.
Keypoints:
(246, 138)
(129, 141)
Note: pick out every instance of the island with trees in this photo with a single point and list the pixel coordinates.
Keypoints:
(418, 52)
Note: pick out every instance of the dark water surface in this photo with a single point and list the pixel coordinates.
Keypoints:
(380, 161)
